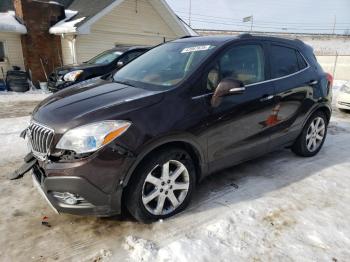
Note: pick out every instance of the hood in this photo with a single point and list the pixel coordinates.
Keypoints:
(91, 101)
(72, 67)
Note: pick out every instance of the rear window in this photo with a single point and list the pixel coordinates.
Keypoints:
(285, 61)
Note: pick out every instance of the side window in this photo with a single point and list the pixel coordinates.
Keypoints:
(2, 51)
(244, 63)
(131, 56)
(285, 61)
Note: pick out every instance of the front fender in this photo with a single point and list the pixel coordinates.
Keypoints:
(187, 139)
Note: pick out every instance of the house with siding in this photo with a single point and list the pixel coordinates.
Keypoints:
(49, 34)
(10, 41)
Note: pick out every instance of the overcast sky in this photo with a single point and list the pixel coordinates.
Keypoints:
(309, 16)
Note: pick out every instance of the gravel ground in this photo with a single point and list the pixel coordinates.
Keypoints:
(278, 207)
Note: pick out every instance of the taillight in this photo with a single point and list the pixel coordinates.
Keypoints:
(330, 79)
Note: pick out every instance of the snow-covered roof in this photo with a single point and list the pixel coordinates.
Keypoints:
(9, 23)
(67, 25)
(88, 12)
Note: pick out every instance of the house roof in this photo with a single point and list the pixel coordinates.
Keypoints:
(81, 14)
(88, 8)
(78, 13)
(90, 11)
(7, 5)
(9, 23)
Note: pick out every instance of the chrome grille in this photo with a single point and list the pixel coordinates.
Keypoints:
(40, 138)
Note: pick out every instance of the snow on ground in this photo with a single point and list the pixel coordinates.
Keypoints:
(337, 84)
(276, 208)
(279, 208)
(35, 95)
(285, 208)
(12, 146)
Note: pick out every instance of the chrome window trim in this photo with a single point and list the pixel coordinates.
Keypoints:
(269, 80)
(282, 77)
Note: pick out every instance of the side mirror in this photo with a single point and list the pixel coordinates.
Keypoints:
(120, 64)
(226, 87)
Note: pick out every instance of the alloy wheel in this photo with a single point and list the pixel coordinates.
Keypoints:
(165, 187)
(315, 134)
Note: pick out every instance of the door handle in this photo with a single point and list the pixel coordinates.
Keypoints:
(237, 90)
(313, 82)
(266, 98)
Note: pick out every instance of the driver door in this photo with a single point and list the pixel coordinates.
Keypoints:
(238, 127)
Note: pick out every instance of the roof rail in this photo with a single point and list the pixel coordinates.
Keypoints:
(298, 40)
(187, 36)
(245, 35)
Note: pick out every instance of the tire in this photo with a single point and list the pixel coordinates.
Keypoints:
(18, 87)
(150, 184)
(302, 146)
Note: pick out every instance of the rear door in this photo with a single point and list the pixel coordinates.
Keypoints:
(236, 128)
(294, 81)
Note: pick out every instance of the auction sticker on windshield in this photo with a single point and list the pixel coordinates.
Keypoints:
(197, 48)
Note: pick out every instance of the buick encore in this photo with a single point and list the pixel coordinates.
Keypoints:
(143, 137)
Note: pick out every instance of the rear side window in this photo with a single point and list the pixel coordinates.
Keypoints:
(285, 61)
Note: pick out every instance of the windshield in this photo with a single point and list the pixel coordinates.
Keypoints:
(105, 57)
(165, 65)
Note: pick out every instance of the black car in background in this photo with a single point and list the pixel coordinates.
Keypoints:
(99, 65)
(144, 136)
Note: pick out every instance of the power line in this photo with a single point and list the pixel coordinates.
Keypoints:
(270, 27)
(259, 21)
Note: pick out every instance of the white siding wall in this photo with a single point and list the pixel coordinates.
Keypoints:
(66, 52)
(13, 51)
(124, 25)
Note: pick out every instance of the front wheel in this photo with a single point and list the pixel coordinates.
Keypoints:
(310, 141)
(162, 185)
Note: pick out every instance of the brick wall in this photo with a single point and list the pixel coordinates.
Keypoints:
(40, 48)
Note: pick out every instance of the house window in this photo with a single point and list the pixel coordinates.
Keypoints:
(2, 51)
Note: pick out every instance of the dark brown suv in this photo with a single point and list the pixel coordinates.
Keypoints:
(145, 136)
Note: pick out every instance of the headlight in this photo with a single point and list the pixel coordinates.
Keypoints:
(345, 88)
(72, 76)
(91, 137)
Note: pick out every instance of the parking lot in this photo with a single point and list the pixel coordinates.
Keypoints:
(280, 206)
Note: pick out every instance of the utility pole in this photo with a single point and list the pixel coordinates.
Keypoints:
(251, 24)
(335, 21)
(189, 13)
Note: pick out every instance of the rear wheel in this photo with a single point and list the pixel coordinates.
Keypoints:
(162, 186)
(310, 141)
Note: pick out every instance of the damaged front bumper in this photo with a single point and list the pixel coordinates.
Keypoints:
(88, 185)
(41, 191)
(73, 194)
